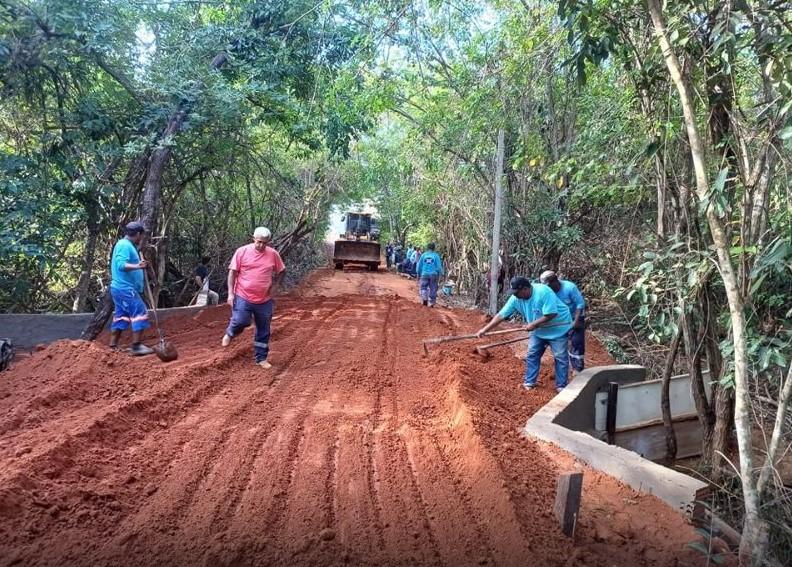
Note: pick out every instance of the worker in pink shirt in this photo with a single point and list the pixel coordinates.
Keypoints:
(254, 274)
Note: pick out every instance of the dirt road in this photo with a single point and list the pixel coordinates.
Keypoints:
(354, 449)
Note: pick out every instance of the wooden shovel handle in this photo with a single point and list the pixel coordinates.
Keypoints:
(448, 338)
(502, 343)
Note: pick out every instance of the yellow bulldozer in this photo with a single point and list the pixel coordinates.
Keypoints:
(359, 244)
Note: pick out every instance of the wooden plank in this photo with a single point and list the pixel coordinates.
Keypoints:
(654, 422)
(567, 503)
(649, 442)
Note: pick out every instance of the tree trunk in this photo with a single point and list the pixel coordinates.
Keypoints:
(100, 317)
(89, 255)
(693, 347)
(665, 398)
(152, 188)
(753, 545)
(661, 196)
(162, 266)
(722, 398)
(778, 431)
(722, 430)
(496, 227)
(250, 204)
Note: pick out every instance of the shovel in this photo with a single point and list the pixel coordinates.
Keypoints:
(165, 351)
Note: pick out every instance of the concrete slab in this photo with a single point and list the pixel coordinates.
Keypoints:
(26, 330)
(573, 408)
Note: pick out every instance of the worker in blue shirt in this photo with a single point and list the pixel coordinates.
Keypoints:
(126, 285)
(549, 321)
(569, 293)
(429, 272)
(406, 267)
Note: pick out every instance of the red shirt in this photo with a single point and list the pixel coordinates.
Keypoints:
(254, 272)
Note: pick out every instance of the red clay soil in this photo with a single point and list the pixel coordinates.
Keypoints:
(354, 449)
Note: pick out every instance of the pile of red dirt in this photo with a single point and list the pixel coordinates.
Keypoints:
(354, 449)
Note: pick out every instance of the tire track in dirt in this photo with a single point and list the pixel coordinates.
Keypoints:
(134, 421)
(358, 450)
(297, 423)
(227, 467)
(298, 516)
(157, 408)
(397, 487)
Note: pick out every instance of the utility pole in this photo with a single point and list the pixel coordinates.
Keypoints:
(496, 227)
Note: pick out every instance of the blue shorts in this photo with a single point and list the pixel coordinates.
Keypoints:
(129, 310)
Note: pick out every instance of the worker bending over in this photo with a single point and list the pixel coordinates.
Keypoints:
(549, 320)
(569, 293)
(205, 295)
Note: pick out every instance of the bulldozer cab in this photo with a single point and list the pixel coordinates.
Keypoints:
(361, 226)
(359, 243)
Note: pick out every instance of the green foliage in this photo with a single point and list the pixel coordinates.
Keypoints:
(87, 89)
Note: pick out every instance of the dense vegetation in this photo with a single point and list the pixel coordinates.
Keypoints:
(647, 156)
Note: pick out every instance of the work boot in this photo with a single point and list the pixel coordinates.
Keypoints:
(226, 340)
(139, 349)
(425, 303)
(264, 364)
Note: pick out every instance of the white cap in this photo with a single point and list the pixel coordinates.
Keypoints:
(262, 232)
(547, 276)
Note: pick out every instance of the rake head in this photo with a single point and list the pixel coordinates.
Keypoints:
(483, 353)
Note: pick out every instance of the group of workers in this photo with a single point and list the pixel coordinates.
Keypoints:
(553, 309)
(404, 259)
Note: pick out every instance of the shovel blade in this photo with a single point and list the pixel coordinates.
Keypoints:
(166, 352)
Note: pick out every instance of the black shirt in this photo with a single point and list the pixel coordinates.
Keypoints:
(202, 272)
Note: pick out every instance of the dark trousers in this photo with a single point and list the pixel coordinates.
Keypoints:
(241, 313)
(577, 346)
(429, 288)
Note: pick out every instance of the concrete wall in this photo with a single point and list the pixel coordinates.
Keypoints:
(579, 414)
(639, 402)
(551, 424)
(28, 330)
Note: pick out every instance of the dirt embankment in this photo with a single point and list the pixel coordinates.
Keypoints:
(354, 449)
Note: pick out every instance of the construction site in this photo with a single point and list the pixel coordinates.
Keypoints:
(357, 448)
